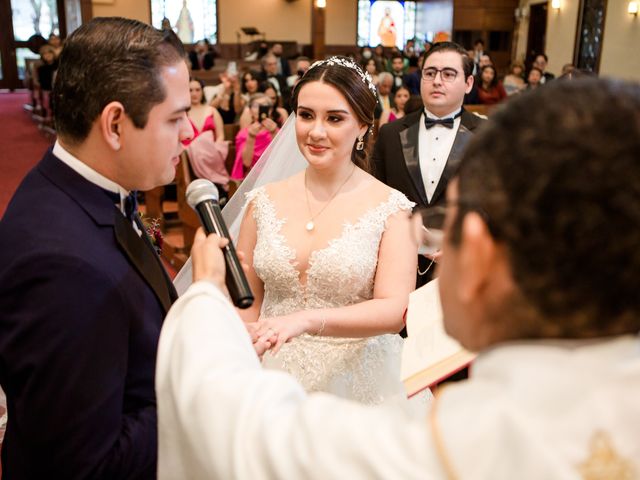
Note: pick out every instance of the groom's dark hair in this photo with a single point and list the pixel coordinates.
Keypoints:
(106, 60)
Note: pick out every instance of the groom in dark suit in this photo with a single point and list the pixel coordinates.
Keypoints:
(419, 153)
(82, 292)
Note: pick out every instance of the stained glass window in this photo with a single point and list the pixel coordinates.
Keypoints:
(192, 20)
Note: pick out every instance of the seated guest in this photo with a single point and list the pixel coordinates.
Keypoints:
(224, 101)
(269, 73)
(253, 140)
(249, 84)
(48, 68)
(397, 70)
(203, 117)
(541, 62)
(208, 160)
(568, 68)
(302, 65)
(385, 98)
(397, 111)
(279, 113)
(200, 57)
(379, 56)
(531, 281)
(410, 53)
(412, 80)
(513, 82)
(283, 68)
(372, 68)
(489, 89)
(534, 79)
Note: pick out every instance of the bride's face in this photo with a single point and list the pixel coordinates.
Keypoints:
(326, 126)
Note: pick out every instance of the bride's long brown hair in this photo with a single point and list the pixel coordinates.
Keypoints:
(349, 82)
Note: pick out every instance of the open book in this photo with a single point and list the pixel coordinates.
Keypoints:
(429, 354)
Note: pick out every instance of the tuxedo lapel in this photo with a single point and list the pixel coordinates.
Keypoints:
(143, 258)
(409, 142)
(453, 161)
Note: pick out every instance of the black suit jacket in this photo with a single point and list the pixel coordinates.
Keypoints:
(82, 301)
(396, 162)
(207, 60)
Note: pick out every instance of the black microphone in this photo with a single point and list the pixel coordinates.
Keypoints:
(202, 196)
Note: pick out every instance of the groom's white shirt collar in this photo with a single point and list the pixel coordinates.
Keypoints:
(88, 173)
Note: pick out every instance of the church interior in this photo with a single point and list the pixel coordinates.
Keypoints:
(230, 43)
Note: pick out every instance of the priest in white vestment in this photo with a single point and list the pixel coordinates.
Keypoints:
(539, 271)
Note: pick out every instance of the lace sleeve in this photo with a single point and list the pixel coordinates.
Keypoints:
(397, 202)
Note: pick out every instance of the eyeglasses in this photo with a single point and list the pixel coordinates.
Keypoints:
(447, 74)
(428, 225)
(428, 229)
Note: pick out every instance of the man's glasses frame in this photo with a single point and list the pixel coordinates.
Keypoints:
(447, 74)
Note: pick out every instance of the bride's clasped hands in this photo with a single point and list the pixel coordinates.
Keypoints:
(279, 330)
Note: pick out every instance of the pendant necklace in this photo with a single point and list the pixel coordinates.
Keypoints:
(310, 224)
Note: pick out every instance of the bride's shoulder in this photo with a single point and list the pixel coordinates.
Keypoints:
(274, 192)
(384, 194)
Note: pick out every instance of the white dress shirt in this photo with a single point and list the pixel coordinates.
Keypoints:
(531, 410)
(88, 173)
(434, 146)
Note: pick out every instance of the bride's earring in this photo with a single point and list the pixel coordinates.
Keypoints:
(360, 144)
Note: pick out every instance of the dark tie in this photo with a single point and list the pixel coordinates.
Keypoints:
(445, 122)
(130, 203)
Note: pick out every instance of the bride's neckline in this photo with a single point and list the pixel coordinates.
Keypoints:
(347, 227)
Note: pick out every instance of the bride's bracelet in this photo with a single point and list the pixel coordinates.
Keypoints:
(323, 323)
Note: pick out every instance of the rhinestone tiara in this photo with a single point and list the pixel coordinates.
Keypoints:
(345, 62)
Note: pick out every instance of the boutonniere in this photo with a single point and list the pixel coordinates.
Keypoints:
(152, 227)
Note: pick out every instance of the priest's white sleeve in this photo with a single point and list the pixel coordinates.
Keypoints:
(220, 415)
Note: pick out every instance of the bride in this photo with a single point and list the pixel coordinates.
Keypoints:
(331, 255)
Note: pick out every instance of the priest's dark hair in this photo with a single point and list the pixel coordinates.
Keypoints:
(555, 176)
(111, 59)
(355, 89)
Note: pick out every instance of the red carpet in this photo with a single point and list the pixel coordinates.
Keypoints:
(21, 144)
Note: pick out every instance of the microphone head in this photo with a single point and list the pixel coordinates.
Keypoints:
(200, 190)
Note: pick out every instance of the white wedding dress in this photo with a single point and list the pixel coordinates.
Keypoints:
(366, 370)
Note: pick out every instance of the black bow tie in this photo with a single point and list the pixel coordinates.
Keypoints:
(445, 122)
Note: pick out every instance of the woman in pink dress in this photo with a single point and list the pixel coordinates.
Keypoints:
(400, 99)
(203, 117)
(253, 140)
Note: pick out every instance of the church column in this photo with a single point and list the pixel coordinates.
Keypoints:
(318, 28)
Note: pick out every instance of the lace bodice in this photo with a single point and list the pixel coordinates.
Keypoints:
(341, 274)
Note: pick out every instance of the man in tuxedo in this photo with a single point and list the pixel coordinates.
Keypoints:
(269, 73)
(201, 57)
(82, 292)
(283, 68)
(420, 153)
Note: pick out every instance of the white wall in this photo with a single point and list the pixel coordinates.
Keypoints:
(620, 47)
